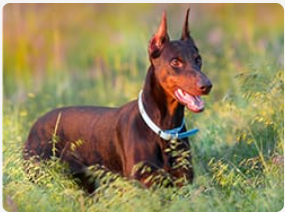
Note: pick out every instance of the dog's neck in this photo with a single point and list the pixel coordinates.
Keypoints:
(164, 110)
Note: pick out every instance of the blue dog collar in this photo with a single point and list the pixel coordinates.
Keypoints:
(164, 134)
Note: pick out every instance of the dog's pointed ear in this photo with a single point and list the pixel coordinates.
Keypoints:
(186, 32)
(159, 39)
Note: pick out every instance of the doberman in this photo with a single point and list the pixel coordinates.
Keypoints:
(129, 140)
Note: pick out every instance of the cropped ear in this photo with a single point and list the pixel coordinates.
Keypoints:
(185, 31)
(159, 38)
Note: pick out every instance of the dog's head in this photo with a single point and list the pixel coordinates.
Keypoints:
(177, 66)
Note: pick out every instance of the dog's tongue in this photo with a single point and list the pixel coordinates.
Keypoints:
(193, 103)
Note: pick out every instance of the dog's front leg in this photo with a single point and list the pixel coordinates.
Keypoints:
(150, 175)
(179, 155)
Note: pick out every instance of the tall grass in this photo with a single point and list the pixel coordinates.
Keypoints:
(58, 55)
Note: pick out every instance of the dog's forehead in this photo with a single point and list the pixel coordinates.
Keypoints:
(179, 48)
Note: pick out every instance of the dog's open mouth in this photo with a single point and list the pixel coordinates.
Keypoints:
(193, 103)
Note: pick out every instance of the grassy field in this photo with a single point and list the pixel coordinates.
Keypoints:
(57, 55)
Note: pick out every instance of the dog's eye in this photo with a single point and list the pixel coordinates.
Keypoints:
(198, 61)
(176, 63)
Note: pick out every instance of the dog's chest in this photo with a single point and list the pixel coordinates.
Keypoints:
(175, 154)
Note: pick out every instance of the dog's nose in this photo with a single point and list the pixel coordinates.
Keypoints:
(205, 87)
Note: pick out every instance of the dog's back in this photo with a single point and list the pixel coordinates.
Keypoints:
(81, 136)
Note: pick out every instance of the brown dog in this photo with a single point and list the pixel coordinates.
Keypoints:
(119, 138)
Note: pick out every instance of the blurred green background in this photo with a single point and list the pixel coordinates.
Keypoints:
(96, 54)
(108, 42)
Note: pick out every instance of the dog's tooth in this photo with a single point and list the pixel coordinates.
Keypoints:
(180, 92)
